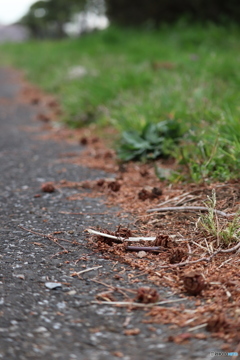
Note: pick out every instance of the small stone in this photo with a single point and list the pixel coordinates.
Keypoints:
(72, 292)
(53, 285)
(56, 326)
(118, 354)
(40, 329)
(3, 329)
(20, 276)
(130, 332)
(142, 254)
(61, 305)
(14, 322)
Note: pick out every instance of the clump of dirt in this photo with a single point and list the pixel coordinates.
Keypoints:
(48, 187)
(194, 283)
(147, 295)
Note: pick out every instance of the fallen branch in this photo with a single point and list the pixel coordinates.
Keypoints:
(129, 303)
(145, 248)
(141, 238)
(236, 247)
(190, 208)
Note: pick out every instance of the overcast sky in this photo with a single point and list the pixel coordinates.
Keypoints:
(13, 10)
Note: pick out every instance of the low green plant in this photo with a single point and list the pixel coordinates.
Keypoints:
(154, 141)
(224, 231)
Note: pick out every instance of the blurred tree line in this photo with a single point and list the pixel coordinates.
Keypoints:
(46, 18)
(155, 12)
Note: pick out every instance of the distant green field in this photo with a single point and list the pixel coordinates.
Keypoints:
(186, 75)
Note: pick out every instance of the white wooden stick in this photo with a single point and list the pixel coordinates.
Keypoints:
(91, 231)
(89, 269)
(126, 303)
(139, 238)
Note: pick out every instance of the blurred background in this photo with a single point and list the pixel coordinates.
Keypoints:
(164, 74)
(58, 18)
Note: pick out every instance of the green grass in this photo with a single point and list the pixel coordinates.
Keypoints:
(189, 74)
(222, 233)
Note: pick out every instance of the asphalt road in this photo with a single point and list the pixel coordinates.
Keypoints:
(35, 321)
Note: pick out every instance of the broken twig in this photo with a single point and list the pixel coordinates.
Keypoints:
(48, 236)
(190, 208)
(86, 270)
(91, 231)
(139, 238)
(145, 248)
(197, 327)
(129, 303)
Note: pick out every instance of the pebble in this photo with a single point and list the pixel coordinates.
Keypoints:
(40, 329)
(53, 285)
(57, 326)
(61, 305)
(72, 292)
(20, 276)
(14, 322)
(142, 254)
(3, 329)
(156, 346)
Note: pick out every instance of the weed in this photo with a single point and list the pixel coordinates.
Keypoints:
(154, 141)
(210, 156)
(223, 231)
